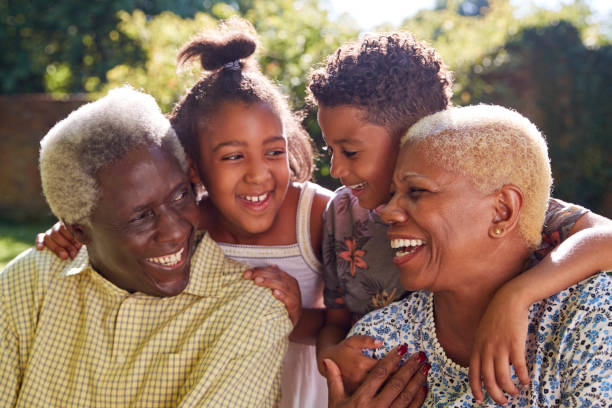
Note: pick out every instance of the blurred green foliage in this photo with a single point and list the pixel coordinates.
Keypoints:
(552, 66)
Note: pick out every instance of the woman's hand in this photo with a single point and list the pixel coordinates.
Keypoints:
(500, 341)
(284, 287)
(59, 241)
(348, 356)
(403, 386)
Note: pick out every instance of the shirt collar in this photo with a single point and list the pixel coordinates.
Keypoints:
(210, 268)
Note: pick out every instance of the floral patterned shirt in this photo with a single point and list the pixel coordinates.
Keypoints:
(569, 348)
(358, 264)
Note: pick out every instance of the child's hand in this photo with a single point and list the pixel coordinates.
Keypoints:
(59, 241)
(284, 287)
(348, 356)
(500, 341)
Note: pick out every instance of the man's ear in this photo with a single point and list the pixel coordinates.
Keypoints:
(507, 208)
(79, 232)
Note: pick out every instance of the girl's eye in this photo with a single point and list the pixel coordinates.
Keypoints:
(235, 156)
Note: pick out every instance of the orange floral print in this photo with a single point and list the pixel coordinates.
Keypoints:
(353, 256)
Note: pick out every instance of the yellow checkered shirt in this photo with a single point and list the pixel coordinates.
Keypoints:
(70, 338)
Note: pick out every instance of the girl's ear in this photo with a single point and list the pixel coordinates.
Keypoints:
(507, 208)
(194, 175)
(79, 232)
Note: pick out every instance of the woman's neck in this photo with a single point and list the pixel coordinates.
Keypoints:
(457, 313)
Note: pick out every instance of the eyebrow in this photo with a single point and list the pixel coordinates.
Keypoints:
(410, 174)
(240, 143)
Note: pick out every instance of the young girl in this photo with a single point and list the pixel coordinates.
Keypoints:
(254, 158)
(369, 93)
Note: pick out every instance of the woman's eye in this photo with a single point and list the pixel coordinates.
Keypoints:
(415, 191)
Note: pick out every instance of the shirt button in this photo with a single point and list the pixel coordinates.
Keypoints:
(121, 358)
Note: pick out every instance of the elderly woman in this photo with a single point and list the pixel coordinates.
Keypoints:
(147, 314)
(470, 191)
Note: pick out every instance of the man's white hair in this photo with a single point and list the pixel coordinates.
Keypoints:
(493, 146)
(93, 136)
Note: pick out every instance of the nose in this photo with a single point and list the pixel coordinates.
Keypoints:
(337, 169)
(171, 226)
(257, 171)
(392, 213)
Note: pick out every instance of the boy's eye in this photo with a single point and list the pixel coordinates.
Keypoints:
(276, 152)
(348, 153)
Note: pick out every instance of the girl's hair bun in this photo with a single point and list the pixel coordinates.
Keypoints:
(231, 42)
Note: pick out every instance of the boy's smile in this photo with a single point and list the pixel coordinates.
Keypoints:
(362, 154)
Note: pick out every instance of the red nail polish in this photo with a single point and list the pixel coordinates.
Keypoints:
(402, 350)
(422, 357)
(424, 389)
(425, 368)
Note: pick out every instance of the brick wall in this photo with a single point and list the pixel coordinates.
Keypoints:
(24, 120)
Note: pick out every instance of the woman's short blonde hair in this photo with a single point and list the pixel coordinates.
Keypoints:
(94, 136)
(493, 146)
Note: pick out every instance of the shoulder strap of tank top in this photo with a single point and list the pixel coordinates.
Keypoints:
(303, 225)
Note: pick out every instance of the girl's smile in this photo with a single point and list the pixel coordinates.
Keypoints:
(244, 166)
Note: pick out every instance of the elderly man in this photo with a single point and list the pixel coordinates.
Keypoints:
(149, 313)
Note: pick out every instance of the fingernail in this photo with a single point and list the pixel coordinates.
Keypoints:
(259, 279)
(325, 366)
(277, 292)
(402, 350)
(425, 368)
(378, 343)
(424, 389)
(421, 357)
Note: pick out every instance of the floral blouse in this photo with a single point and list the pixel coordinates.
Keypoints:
(358, 264)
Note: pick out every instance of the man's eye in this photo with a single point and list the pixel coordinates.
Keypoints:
(141, 217)
(180, 195)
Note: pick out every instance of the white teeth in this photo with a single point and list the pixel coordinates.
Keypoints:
(401, 243)
(358, 186)
(256, 199)
(168, 260)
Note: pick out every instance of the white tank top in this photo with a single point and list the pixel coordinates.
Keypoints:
(298, 259)
(301, 386)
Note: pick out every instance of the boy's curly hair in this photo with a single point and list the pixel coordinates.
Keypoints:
(227, 53)
(393, 77)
